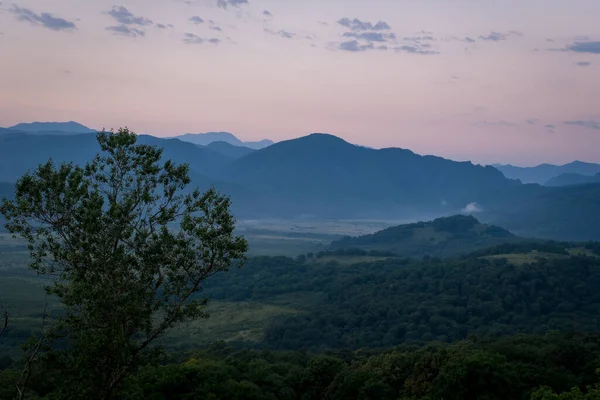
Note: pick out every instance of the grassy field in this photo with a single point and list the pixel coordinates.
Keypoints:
(22, 291)
(525, 258)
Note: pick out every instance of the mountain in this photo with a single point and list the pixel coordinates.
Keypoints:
(205, 139)
(442, 237)
(228, 149)
(573, 179)
(324, 176)
(559, 213)
(20, 152)
(544, 172)
(70, 127)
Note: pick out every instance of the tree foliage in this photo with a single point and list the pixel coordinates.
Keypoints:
(124, 271)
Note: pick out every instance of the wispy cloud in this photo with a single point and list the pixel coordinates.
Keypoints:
(584, 63)
(498, 36)
(416, 49)
(123, 16)
(358, 25)
(267, 13)
(125, 30)
(190, 38)
(282, 33)
(224, 4)
(585, 47)
(196, 20)
(355, 46)
(590, 124)
(46, 20)
(371, 36)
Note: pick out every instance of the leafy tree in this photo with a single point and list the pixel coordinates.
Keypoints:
(124, 275)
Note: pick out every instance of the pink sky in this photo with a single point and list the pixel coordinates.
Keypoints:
(287, 75)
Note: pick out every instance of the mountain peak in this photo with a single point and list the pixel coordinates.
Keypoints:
(67, 127)
(204, 139)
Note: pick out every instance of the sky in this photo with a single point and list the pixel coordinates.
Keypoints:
(494, 81)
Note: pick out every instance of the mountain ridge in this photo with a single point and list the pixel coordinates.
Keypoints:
(69, 127)
(542, 173)
(207, 138)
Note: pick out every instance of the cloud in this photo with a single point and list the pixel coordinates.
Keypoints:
(46, 20)
(585, 124)
(282, 33)
(494, 36)
(371, 36)
(196, 20)
(161, 26)
(358, 25)
(125, 31)
(224, 4)
(190, 38)
(355, 46)
(123, 16)
(416, 49)
(472, 208)
(532, 121)
(214, 41)
(585, 47)
(549, 126)
(584, 63)
(418, 38)
(267, 13)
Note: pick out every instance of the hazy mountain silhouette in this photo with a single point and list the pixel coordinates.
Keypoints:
(573, 179)
(20, 152)
(323, 175)
(70, 127)
(205, 139)
(442, 237)
(229, 150)
(544, 172)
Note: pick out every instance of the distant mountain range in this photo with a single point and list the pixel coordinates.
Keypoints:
(573, 179)
(70, 127)
(442, 237)
(545, 172)
(322, 176)
(204, 139)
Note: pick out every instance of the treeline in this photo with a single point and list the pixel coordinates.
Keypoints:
(394, 301)
(522, 367)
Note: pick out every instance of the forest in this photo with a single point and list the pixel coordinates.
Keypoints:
(123, 285)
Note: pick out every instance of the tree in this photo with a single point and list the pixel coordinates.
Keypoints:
(3, 320)
(124, 275)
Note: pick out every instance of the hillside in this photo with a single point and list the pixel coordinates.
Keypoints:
(573, 179)
(207, 138)
(228, 149)
(543, 173)
(442, 237)
(70, 127)
(82, 148)
(324, 176)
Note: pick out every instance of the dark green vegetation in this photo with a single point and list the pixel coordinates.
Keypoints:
(100, 234)
(523, 367)
(545, 172)
(443, 237)
(447, 309)
(323, 177)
